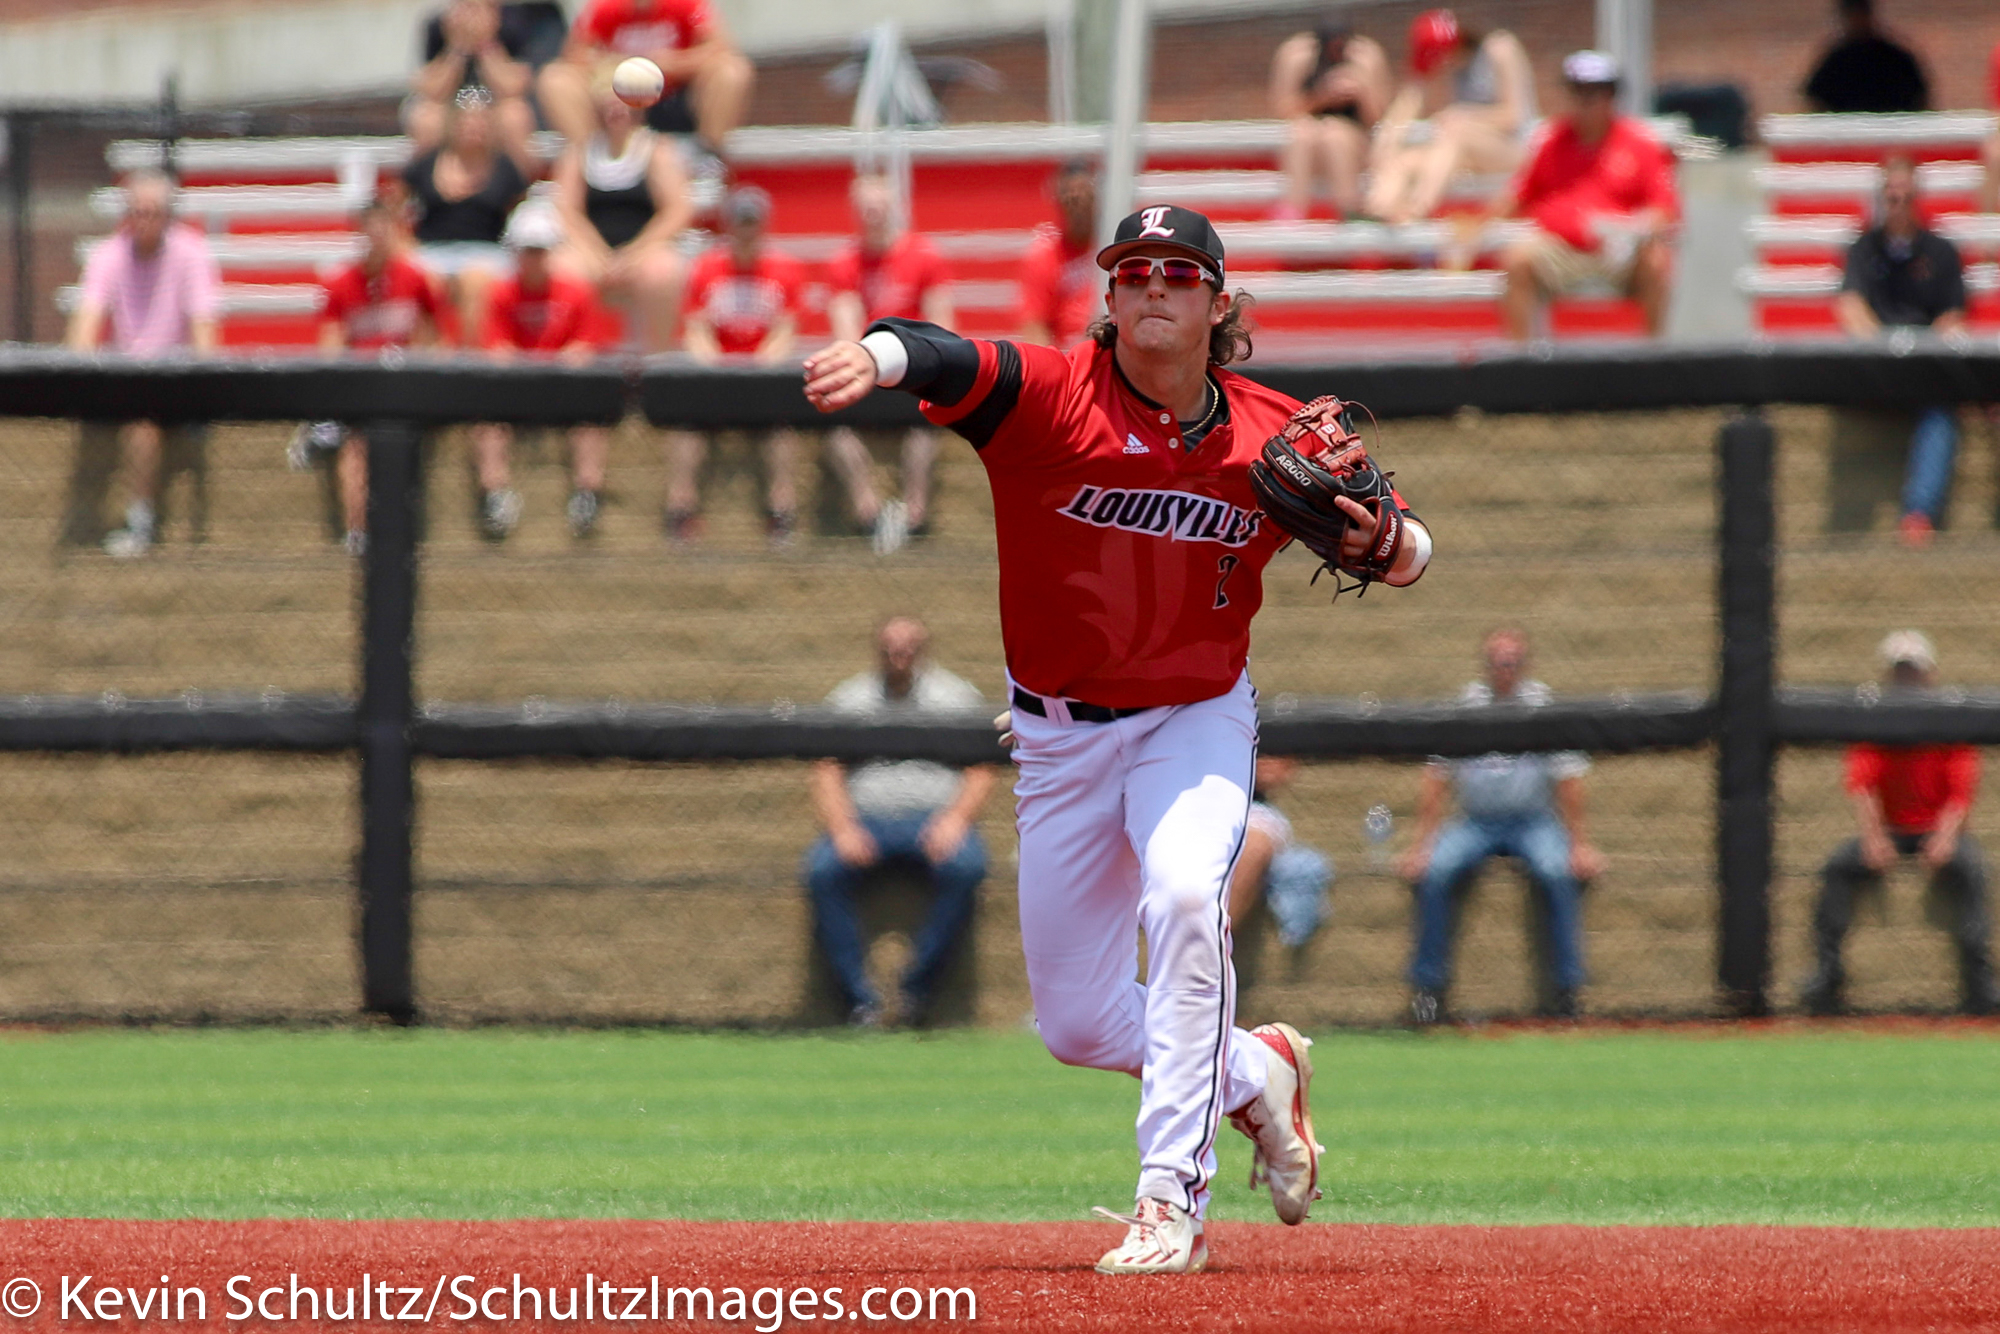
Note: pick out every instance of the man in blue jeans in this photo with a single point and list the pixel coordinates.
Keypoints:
(1901, 275)
(884, 811)
(1525, 806)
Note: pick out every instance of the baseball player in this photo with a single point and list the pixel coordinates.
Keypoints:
(1132, 547)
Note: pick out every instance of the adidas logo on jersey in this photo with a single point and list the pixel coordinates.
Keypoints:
(1134, 445)
(1176, 515)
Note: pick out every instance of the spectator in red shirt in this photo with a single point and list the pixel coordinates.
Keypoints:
(1910, 801)
(539, 312)
(1062, 289)
(384, 299)
(743, 303)
(1600, 191)
(708, 79)
(886, 271)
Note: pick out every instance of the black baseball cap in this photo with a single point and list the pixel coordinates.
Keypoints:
(1167, 225)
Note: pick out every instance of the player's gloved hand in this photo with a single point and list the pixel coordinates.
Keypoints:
(839, 376)
(1003, 723)
(1316, 482)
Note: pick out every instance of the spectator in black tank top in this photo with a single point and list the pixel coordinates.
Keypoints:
(1331, 86)
(462, 193)
(624, 202)
(472, 44)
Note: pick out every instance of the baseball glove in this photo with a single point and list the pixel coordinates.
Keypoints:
(1316, 458)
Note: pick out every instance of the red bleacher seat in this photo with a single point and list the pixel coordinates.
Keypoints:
(279, 212)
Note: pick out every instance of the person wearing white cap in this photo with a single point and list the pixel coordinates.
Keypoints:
(1600, 190)
(540, 311)
(1909, 801)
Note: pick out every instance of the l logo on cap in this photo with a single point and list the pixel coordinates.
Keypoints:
(1151, 218)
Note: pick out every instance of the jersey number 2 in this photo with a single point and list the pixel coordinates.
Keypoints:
(1224, 568)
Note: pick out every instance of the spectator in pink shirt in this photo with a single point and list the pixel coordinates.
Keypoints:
(151, 290)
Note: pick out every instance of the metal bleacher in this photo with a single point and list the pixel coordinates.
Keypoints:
(1819, 190)
(278, 213)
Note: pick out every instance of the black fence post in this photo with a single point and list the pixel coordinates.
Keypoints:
(388, 782)
(1747, 750)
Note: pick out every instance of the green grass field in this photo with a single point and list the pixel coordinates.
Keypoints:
(1592, 1127)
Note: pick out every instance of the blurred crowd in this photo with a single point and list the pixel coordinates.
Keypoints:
(631, 236)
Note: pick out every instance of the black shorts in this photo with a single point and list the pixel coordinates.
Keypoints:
(673, 114)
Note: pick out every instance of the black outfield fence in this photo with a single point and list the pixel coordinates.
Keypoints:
(1743, 712)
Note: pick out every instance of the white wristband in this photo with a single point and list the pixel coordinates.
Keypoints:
(1416, 554)
(892, 359)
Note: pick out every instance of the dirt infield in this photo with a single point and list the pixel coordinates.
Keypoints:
(1036, 1277)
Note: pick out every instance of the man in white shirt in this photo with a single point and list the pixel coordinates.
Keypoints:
(1526, 806)
(911, 811)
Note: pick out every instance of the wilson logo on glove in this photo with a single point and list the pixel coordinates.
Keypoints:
(1310, 464)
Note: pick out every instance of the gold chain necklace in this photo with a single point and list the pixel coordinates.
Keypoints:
(1214, 403)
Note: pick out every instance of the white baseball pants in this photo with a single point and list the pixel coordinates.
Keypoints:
(1136, 823)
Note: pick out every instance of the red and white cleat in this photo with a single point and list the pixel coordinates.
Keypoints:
(1279, 1123)
(1160, 1238)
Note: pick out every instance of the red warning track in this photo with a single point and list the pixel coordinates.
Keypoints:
(1028, 1277)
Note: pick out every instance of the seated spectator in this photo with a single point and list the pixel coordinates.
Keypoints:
(540, 312)
(1865, 70)
(151, 289)
(473, 44)
(1525, 806)
(887, 271)
(910, 811)
(1289, 877)
(1901, 275)
(382, 300)
(1909, 801)
(1332, 87)
(1600, 190)
(462, 192)
(1478, 92)
(743, 302)
(622, 193)
(708, 79)
(1062, 289)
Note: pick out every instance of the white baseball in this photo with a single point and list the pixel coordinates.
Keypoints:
(638, 82)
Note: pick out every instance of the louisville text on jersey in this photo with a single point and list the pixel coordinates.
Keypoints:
(1178, 515)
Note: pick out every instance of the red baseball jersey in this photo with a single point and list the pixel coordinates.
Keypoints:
(892, 284)
(1062, 288)
(742, 304)
(1130, 566)
(384, 309)
(634, 28)
(1567, 181)
(549, 320)
(1915, 783)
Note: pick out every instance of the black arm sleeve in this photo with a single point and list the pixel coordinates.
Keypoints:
(945, 370)
(943, 365)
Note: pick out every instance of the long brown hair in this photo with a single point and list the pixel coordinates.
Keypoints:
(1228, 341)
